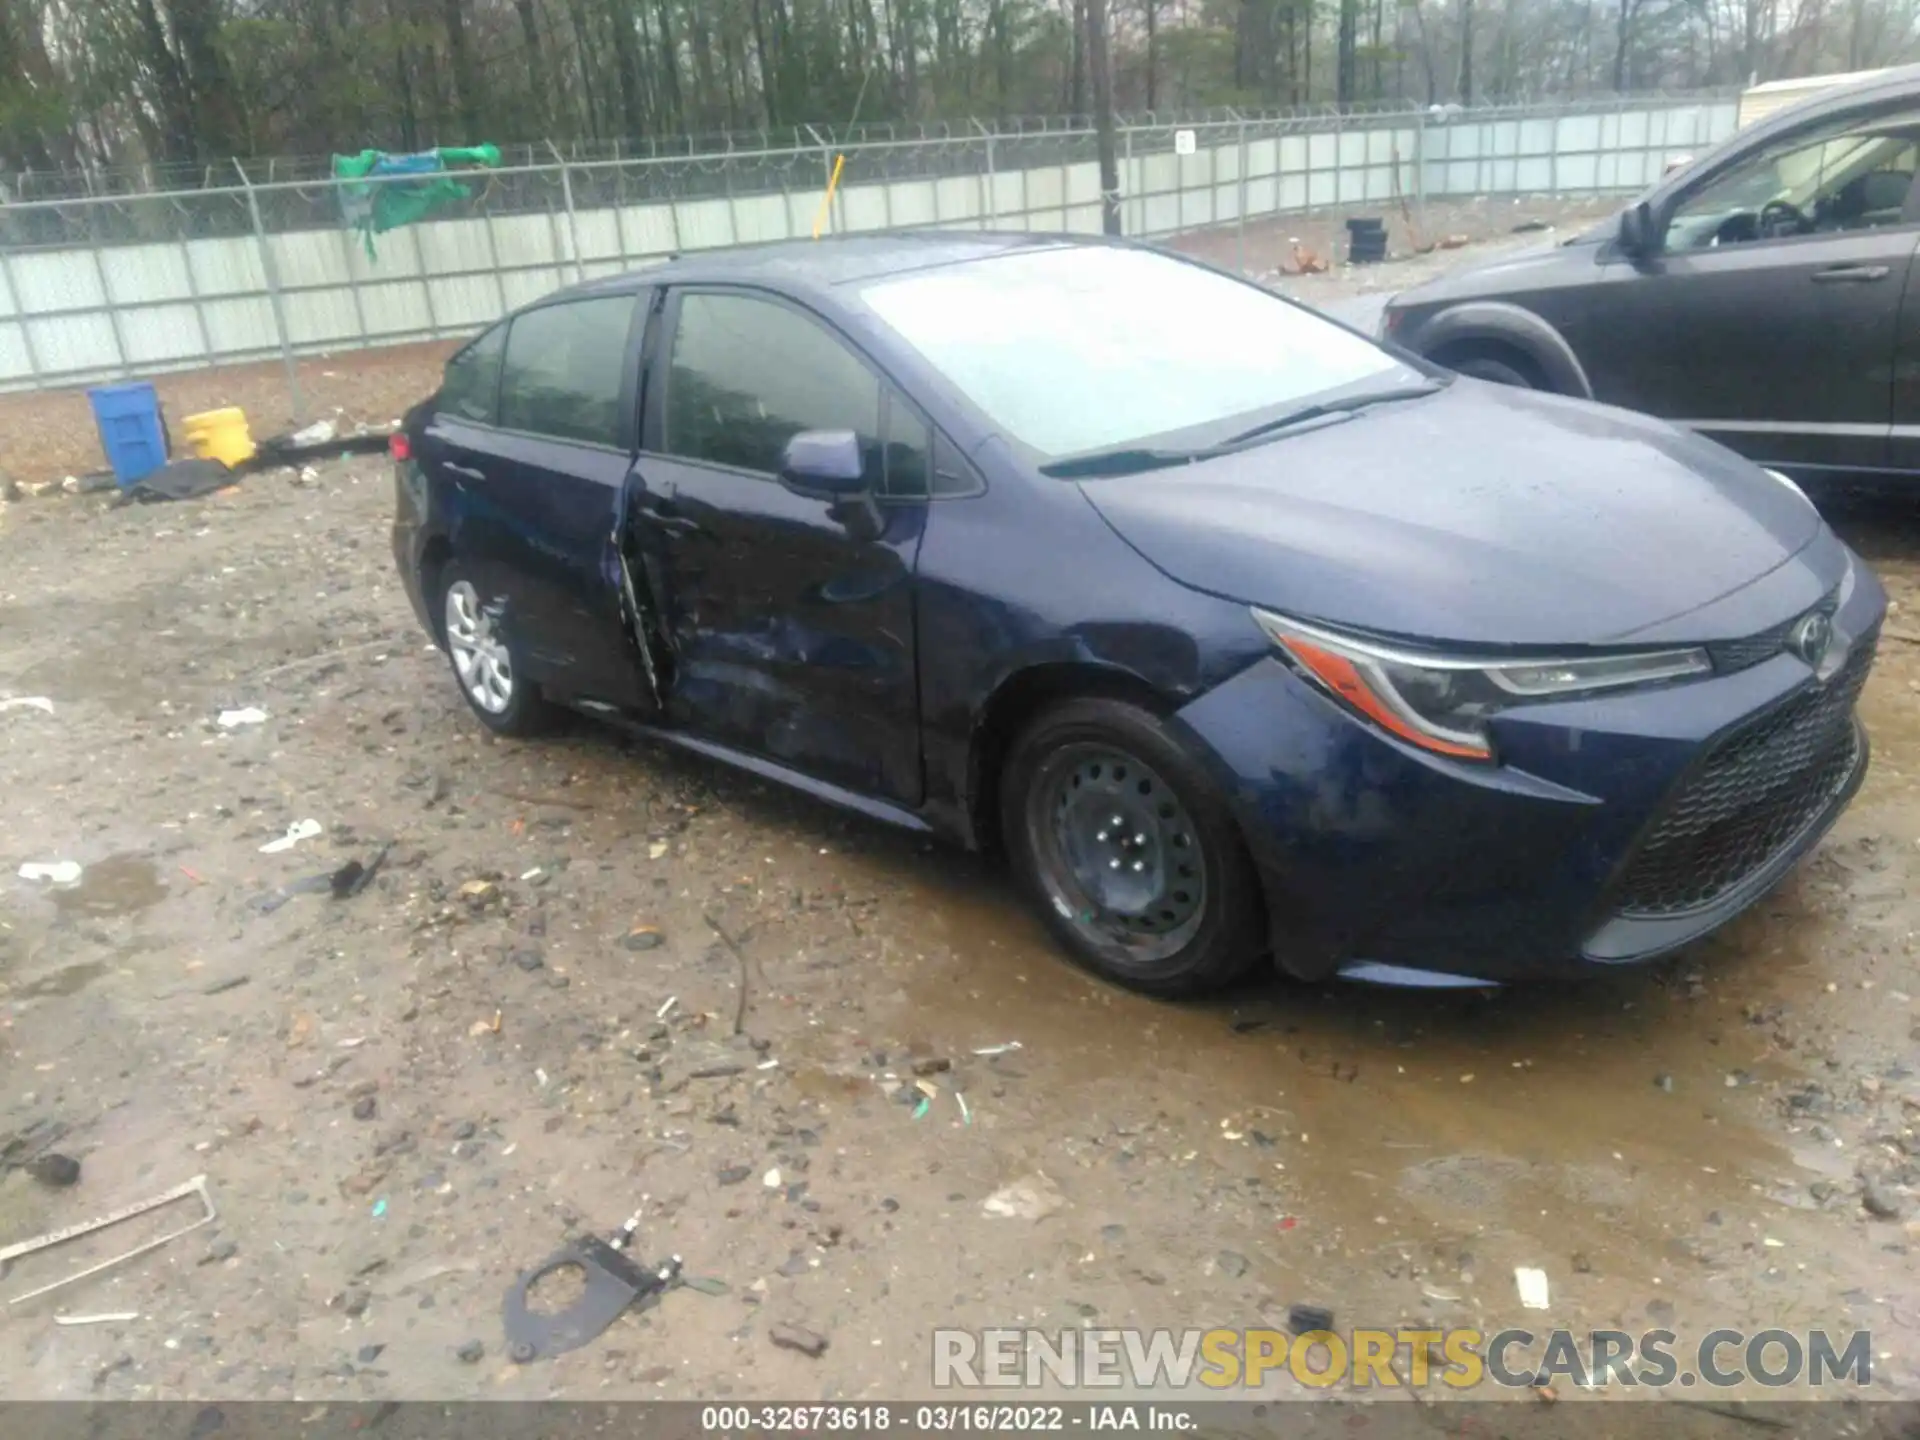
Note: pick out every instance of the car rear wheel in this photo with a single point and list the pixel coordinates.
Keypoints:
(1127, 851)
(488, 671)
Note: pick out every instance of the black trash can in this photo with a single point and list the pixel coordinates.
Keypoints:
(1366, 241)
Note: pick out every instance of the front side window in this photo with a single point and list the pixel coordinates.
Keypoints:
(1849, 174)
(1081, 348)
(746, 375)
(909, 451)
(565, 371)
(473, 378)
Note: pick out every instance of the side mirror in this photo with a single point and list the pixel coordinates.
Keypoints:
(1637, 231)
(824, 462)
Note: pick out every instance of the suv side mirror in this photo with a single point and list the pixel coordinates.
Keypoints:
(1637, 238)
(824, 462)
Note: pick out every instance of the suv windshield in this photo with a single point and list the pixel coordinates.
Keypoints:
(1078, 349)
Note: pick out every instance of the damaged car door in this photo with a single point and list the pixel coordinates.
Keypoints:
(785, 613)
(543, 485)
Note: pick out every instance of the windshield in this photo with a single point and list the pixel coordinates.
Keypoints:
(1087, 348)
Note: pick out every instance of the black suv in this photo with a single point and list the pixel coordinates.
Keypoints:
(1760, 295)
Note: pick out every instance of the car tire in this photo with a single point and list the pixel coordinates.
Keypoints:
(1496, 369)
(486, 664)
(1127, 850)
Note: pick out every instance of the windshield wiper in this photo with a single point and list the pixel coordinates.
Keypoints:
(1344, 406)
(1129, 461)
(1133, 459)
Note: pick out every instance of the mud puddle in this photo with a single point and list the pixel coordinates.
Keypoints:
(116, 885)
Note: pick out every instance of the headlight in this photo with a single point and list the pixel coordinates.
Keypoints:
(1440, 702)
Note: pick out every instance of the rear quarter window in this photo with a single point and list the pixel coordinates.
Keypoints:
(566, 371)
(472, 381)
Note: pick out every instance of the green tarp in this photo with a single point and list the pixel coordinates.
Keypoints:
(373, 203)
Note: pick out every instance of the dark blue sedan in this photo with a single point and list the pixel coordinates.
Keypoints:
(1241, 635)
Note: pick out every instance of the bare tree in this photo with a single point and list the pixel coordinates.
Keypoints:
(1099, 62)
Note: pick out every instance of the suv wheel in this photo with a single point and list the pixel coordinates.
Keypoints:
(1501, 367)
(1130, 856)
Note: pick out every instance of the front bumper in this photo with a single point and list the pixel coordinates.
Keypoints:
(1386, 863)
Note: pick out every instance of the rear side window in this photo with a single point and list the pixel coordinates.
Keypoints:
(473, 378)
(746, 375)
(565, 371)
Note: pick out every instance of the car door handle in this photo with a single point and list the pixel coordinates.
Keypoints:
(1851, 274)
(465, 472)
(659, 511)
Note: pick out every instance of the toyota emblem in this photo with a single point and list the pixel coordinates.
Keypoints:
(1810, 638)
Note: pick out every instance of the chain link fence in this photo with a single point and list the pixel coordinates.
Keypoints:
(260, 264)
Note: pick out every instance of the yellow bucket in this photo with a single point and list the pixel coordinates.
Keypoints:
(219, 435)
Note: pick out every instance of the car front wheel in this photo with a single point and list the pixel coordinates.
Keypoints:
(484, 663)
(1128, 852)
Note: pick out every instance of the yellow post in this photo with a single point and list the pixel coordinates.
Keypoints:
(826, 203)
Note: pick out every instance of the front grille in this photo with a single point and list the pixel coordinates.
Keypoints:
(1731, 655)
(1749, 799)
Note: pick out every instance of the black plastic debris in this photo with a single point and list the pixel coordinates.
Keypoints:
(180, 480)
(1304, 1319)
(54, 1169)
(271, 900)
(612, 1284)
(343, 884)
(353, 877)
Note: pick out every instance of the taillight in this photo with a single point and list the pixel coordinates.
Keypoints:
(398, 446)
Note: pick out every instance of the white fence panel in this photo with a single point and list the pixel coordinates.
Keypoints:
(161, 297)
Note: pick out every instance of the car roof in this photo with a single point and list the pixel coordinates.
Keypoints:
(1889, 87)
(833, 260)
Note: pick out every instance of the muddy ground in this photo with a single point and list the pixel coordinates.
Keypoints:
(527, 1023)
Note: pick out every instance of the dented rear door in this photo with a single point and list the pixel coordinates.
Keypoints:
(560, 452)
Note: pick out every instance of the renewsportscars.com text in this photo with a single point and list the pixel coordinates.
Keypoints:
(1460, 1359)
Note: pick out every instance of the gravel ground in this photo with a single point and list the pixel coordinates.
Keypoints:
(593, 979)
(1421, 244)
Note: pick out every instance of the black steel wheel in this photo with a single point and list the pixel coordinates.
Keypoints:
(1117, 850)
(1128, 853)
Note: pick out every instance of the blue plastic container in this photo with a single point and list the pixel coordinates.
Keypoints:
(128, 417)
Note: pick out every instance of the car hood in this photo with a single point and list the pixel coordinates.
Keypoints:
(1481, 514)
(1522, 271)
